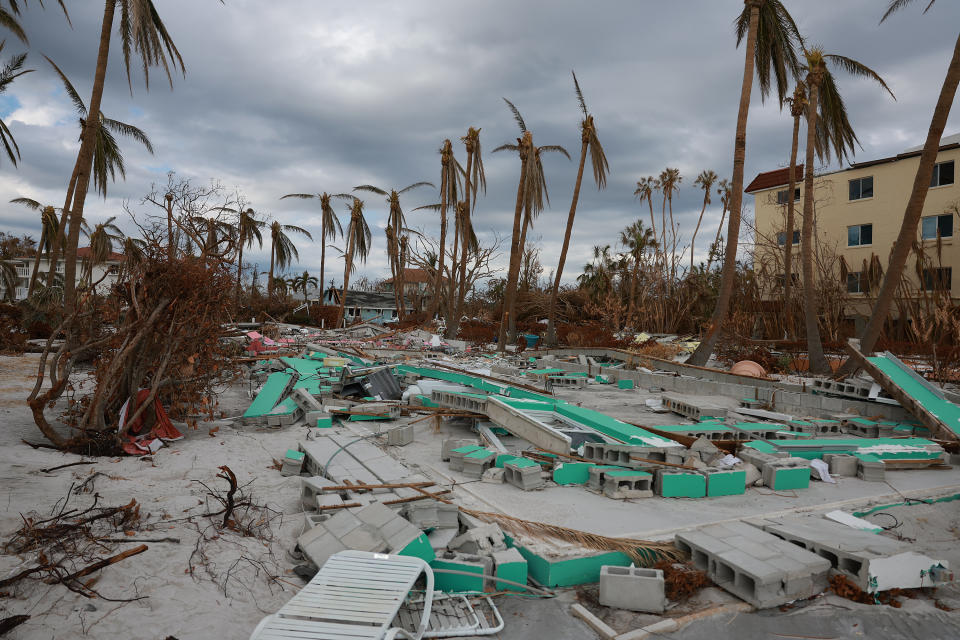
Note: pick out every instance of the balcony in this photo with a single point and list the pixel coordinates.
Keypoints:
(23, 272)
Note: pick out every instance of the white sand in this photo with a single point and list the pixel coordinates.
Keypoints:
(225, 601)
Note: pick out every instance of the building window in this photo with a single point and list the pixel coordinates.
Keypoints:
(861, 188)
(782, 195)
(938, 279)
(934, 226)
(942, 174)
(859, 235)
(782, 280)
(857, 282)
(782, 237)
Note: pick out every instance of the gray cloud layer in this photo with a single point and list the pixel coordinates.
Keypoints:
(292, 96)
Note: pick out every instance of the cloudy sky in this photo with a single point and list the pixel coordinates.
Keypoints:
(306, 96)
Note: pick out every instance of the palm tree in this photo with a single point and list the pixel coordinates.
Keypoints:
(826, 104)
(598, 161)
(772, 38)
(798, 107)
(476, 179)
(531, 192)
(597, 276)
(102, 242)
(358, 240)
(637, 240)
(329, 223)
(396, 228)
(449, 187)
(705, 181)
(107, 159)
(918, 194)
(247, 230)
(669, 181)
(48, 234)
(10, 72)
(303, 282)
(141, 31)
(282, 249)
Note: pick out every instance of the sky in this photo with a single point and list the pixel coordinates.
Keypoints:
(307, 96)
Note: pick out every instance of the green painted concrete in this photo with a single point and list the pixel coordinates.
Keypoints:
(700, 426)
(368, 418)
(572, 571)
(451, 582)
(324, 423)
(543, 372)
(480, 454)
(732, 483)
(514, 571)
(427, 401)
(293, 454)
(568, 473)
(523, 463)
(269, 395)
(633, 473)
(882, 448)
(950, 498)
(683, 485)
(468, 448)
(944, 410)
(612, 427)
(625, 384)
(288, 405)
(420, 548)
(785, 479)
(503, 458)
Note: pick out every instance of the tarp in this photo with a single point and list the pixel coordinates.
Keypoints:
(138, 441)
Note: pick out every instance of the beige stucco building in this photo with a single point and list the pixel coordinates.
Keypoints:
(857, 216)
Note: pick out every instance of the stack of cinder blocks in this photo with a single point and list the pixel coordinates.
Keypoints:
(870, 468)
(622, 454)
(841, 464)
(523, 473)
(754, 565)
(476, 462)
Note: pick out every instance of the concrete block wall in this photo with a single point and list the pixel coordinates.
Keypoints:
(621, 454)
(754, 565)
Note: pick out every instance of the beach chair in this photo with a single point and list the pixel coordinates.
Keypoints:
(355, 596)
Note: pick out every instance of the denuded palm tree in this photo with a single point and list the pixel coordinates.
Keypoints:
(141, 31)
(918, 193)
(476, 179)
(772, 40)
(395, 230)
(531, 193)
(48, 234)
(825, 103)
(282, 249)
(358, 240)
(589, 142)
(705, 181)
(329, 223)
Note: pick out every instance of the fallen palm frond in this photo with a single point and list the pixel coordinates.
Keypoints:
(644, 553)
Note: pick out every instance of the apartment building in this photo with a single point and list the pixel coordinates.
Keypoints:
(857, 217)
(106, 273)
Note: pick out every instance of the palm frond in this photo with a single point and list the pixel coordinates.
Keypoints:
(517, 116)
(69, 88)
(416, 185)
(858, 69)
(302, 196)
(129, 131)
(576, 86)
(430, 207)
(30, 203)
(896, 5)
(554, 148)
(10, 22)
(507, 147)
(371, 188)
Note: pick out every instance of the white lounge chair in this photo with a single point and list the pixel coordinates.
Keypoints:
(354, 596)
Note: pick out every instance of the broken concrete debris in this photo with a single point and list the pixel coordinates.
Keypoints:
(531, 430)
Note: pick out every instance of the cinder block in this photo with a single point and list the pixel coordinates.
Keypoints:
(841, 464)
(725, 482)
(632, 588)
(476, 462)
(483, 540)
(292, 463)
(318, 544)
(523, 473)
(311, 489)
(597, 475)
(674, 483)
(870, 468)
(627, 483)
(457, 455)
(787, 473)
(625, 384)
(510, 565)
(623, 454)
(461, 562)
(448, 516)
(400, 436)
(305, 400)
(423, 513)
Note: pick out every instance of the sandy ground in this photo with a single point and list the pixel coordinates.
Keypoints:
(224, 597)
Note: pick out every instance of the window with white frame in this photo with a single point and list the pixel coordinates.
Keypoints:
(859, 235)
(857, 282)
(861, 188)
(942, 174)
(782, 196)
(933, 226)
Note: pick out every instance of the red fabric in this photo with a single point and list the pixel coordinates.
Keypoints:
(137, 443)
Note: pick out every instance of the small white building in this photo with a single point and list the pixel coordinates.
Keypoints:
(105, 273)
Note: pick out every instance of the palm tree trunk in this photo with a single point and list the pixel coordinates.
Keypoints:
(85, 159)
(918, 195)
(438, 277)
(273, 247)
(454, 261)
(716, 240)
(552, 312)
(453, 325)
(818, 362)
(239, 272)
(62, 228)
(788, 242)
(36, 261)
(347, 262)
(695, 230)
(512, 318)
(510, 290)
(323, 253)
(171, 249)
(702, 354)
(631, 307)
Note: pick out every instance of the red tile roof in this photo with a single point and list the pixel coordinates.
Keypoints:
(412, 276)
(770, 179)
